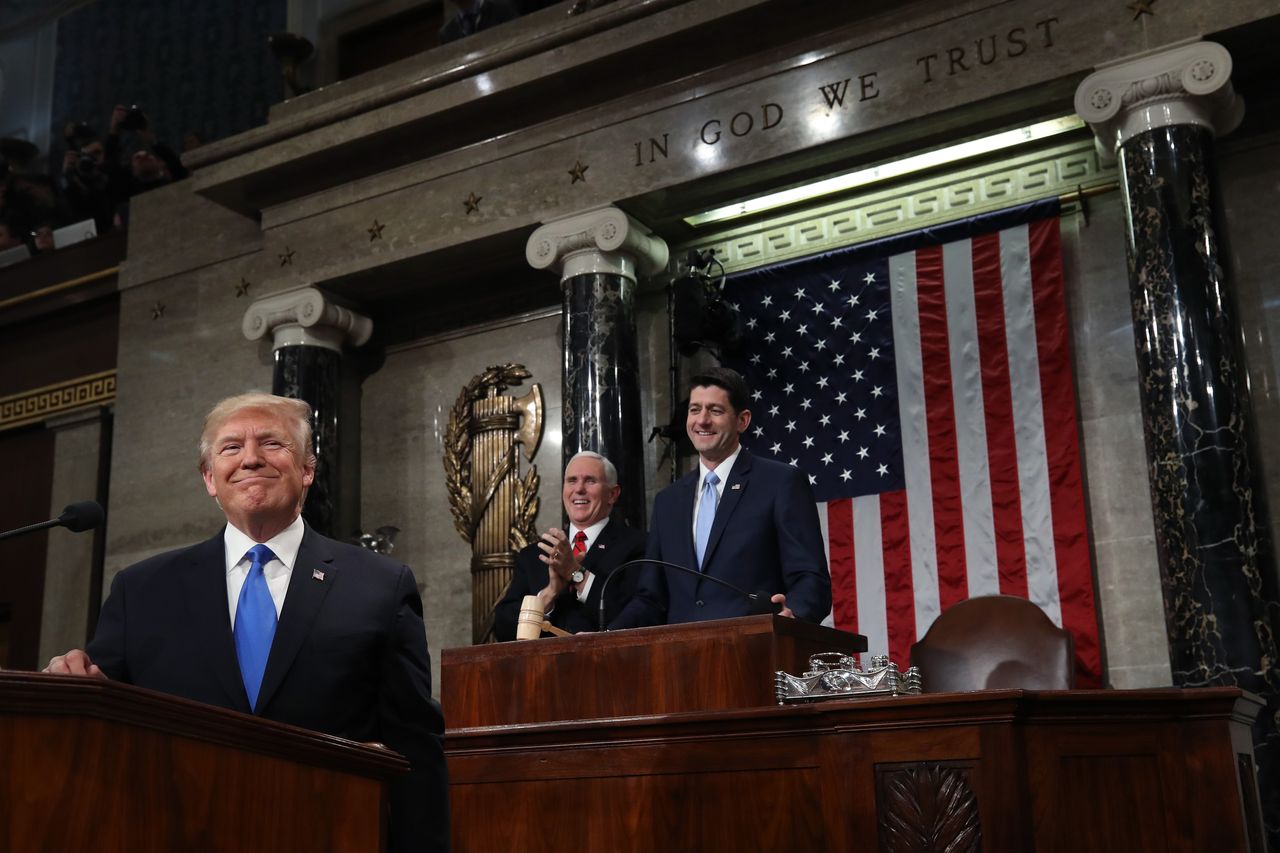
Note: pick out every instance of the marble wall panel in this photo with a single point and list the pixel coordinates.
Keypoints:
(1098, 299)
(1133, 621)
(69, 557)
(405, 413)
(173, 231)
(172, 368)
(1130, 602)
(653, 333)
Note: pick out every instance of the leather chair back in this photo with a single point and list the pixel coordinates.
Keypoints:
(994, 641)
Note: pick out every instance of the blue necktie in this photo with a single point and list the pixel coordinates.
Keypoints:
(255, 623)
(706, 514)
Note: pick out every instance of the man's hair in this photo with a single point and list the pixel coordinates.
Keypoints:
(295, 413)
(730, 380)
(610, 472)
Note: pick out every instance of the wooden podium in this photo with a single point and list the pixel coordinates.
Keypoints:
(702, 666)
(91, 765)
(653, 760)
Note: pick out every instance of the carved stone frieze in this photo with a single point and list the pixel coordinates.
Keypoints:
(39, 404)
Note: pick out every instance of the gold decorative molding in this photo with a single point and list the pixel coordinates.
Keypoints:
(29, 407)
(494, 508)
(106, 272)
(1058, 170)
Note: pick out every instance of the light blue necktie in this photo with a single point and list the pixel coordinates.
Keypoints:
(706, 514)
(255, 623)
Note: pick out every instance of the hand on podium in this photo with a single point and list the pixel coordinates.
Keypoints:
(781, 599)
(74, 662)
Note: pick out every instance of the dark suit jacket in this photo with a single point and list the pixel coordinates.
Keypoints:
(349, 658)
(615, 545)
(766, 538)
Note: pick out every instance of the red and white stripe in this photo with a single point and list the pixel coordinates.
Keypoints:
(994, 499)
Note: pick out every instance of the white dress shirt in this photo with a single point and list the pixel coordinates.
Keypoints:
(593, 533)
(284, 545)
(722, 471)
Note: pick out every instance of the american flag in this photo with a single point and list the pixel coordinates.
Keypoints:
(924, 384)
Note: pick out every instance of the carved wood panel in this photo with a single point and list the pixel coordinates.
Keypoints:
(927, 807)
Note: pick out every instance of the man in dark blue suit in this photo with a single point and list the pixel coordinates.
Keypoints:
(746, 520)
(567, 570)
(270, 618)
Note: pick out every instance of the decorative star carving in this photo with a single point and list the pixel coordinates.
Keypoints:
(286, 257)
(157, 311)
(1142, 7)
(242, 289)
(375, 230)
(472, 203)
(578, 172)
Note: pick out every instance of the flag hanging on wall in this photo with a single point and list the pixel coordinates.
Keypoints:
(924, 384)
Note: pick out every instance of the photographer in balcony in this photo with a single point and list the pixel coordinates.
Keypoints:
(86, 178)
(29, 201)
(140, 161)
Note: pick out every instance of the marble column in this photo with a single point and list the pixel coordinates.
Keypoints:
(1159, 113)
(599, 254)
(308, 332)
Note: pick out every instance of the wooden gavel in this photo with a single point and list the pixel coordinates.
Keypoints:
(533, 621)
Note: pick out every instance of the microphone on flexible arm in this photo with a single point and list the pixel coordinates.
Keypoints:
(759, 605)
(77, 517)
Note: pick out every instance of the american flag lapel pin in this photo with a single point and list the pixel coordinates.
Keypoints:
(735, 487)
(317, 575)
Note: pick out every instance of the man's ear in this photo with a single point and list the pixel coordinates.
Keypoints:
(744, 420)
(209, 485)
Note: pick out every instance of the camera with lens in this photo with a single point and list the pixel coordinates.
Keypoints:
(134, 119)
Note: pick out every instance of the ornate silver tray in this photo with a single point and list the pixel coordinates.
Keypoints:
(835, 675)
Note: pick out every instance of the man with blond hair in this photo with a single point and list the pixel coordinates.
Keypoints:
(270, 618)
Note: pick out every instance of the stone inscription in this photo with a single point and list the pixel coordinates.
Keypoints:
(840, 95)
(985, 51)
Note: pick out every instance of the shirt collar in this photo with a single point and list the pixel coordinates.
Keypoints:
(722, 470)
(284, 544)
(592, 532)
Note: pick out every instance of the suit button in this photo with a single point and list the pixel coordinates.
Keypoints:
(699, 602)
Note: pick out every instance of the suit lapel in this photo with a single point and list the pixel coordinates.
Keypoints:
(734, 488)
(205, 588)
(598, 559)
(685, 497)
(313, 576)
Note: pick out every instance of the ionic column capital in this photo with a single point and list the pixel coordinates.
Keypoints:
(603, 240)
(1186, 84)
(305, 316)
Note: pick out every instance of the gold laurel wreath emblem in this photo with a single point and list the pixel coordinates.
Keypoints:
(457, 462)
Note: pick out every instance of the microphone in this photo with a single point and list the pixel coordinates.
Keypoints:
(759, 605)
(77, 517)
